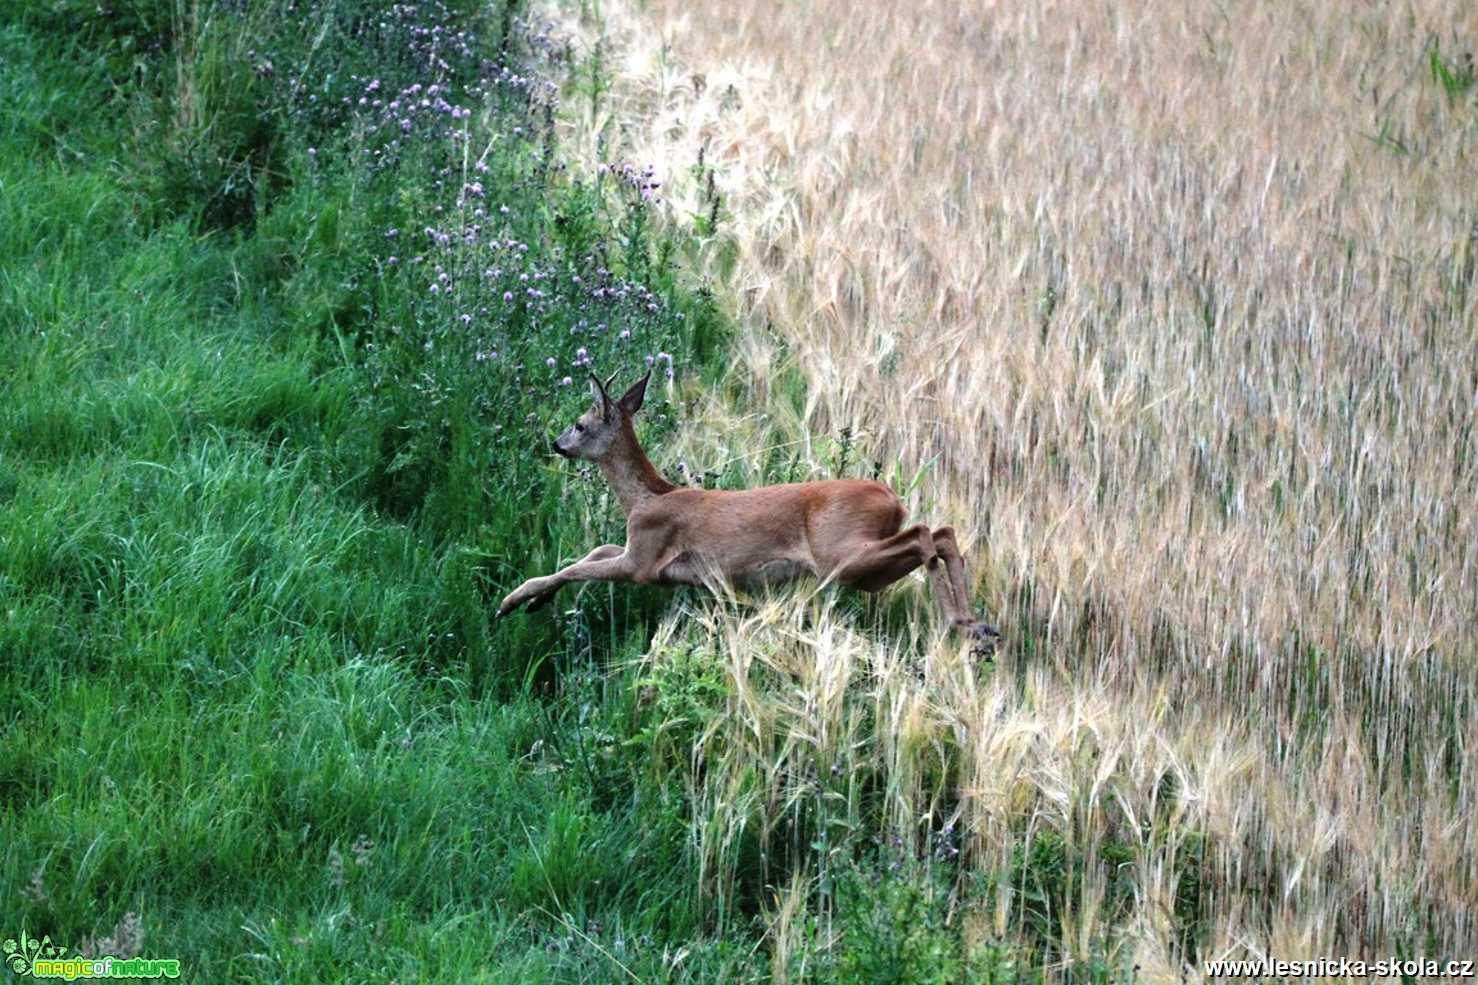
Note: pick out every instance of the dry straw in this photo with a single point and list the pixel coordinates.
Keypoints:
(1172, 309)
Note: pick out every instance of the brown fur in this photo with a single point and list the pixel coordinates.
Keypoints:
(844, 530)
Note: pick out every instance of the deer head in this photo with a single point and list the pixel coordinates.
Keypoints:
(595, 434)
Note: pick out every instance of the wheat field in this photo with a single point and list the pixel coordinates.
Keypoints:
(1169, 309)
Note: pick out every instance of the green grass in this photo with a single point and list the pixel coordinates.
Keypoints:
(249, 685)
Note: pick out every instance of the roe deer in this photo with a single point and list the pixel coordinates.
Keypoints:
(845, 530)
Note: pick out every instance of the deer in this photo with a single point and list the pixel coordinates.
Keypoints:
(848, 531)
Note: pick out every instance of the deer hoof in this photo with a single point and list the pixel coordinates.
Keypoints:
(534, 592)
(513, 600)
(984, 635)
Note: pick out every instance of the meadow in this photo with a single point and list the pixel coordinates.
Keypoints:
(1168, 311)
(290, 297)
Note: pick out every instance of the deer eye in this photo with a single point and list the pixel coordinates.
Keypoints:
(579, 426)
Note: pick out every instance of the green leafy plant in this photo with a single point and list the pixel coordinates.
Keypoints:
(681, 688)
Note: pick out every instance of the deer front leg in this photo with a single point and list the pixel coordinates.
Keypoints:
(595, 566)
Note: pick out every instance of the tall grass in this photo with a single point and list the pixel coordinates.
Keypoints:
(258, 482)
(1169, 310)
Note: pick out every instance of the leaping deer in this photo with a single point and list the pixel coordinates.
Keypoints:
(844, 530)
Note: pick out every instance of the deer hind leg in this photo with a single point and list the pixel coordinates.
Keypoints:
(954, 596)
(956, 591)
(886, 561)
(608, 562)
(877, 564)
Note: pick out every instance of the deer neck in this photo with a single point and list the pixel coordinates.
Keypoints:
(631, 474)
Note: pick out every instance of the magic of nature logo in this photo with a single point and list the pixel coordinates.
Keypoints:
(42, 959)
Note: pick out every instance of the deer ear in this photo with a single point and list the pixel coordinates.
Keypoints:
(602, 399)
(631, 400)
